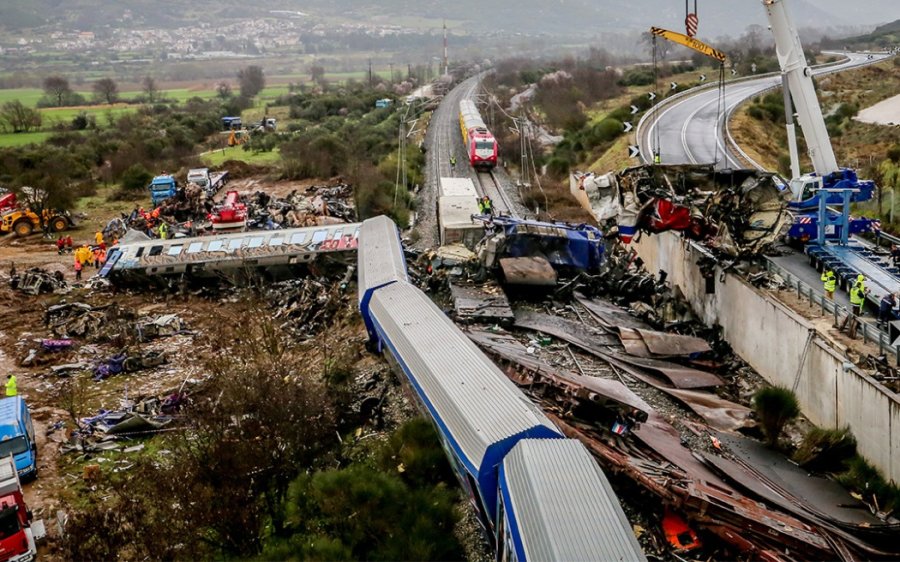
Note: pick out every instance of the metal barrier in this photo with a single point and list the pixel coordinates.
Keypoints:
(870, 332)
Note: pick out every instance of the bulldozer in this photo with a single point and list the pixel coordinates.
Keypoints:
(25, 221)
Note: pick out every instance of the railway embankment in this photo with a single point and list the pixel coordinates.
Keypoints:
(786, 348)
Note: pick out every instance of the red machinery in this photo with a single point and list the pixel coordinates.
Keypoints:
(17, 540)
(7, 201)
(481, 147)
(230, 214)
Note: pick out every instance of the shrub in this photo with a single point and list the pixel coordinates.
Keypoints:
(775, 407)
(826, 450)
(136, 177)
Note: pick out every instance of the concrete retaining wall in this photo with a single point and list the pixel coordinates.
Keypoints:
(771, 338)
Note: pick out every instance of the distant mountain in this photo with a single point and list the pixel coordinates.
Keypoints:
(886, 35)
(576, 17)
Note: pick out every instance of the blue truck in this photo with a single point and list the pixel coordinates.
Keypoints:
(17, 435)
(162, 187)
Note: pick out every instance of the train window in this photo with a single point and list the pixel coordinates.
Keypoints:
(155, 251)
(276, 241)
(139, 252)
(319, 236)
(235, 243)
(215, 246)
(298, 238)
(487, 145)
(175, 250)
(255, 242)
(195, 247)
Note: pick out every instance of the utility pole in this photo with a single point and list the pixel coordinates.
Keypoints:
(370, 73)
(446, 60)
(391, 66)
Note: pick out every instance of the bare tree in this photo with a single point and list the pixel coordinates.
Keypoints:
(57, 87)
(317, 73)
(223, 90)
(18, 117)
(251, 80)
(151, 91)
(106, 90)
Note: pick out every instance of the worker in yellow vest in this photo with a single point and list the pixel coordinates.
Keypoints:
(11, 389)
(830, 282)
(858, 295)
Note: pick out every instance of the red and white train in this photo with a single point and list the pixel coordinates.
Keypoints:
(481, 147)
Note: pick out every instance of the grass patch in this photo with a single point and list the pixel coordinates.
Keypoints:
(21, 139)
(865, 479)
(826, 450)
(219, 156)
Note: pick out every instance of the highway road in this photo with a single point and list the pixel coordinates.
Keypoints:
(690, 129)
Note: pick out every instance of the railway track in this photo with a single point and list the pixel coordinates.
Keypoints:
(488, 184)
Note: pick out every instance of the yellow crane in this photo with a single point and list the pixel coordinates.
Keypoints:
(689, 42)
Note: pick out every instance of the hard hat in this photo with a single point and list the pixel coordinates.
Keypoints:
(860, 277)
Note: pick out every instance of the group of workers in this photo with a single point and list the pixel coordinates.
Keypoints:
(858, 292)
(86, 255)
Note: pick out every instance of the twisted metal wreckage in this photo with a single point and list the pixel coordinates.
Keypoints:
(752, 498)
(736, 212)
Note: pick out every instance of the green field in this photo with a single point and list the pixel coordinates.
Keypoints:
(215, 158)
(21, 139)
(53, 116)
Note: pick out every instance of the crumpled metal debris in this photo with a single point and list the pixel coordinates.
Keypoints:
(125, 362)
(159, 327)
(305, 306)
(737, 212)
(134, 419)
(316, 205)
(38, 281)
(83, 320)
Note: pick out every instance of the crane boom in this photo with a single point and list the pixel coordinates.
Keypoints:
(689, 42)
(799, 79)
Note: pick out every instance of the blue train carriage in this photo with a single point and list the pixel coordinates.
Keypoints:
(555, 503)
(380, 261)
(479, 414)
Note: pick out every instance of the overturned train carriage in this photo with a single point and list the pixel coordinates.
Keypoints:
(267, 251)
(481, 417)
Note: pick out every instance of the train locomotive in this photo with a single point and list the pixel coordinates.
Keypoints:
(538, 495)
(481, 147)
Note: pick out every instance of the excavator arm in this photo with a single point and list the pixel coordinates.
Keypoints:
(689, 42)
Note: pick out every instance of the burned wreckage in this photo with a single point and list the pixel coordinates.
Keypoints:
(737, 212)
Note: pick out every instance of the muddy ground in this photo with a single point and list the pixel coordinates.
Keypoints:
(24, 327)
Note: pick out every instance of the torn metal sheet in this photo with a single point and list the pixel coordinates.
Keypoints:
(633, 343)
(610, 315)
(669, 345)
(487, 303)
(679, 479)
(573, 332)
(679, 375)
(581, 336)
(811, 496)
(717, 412)
(604, 392)
(534, 270)
(748, 480)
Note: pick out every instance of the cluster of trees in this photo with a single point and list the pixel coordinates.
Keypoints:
(251, 474)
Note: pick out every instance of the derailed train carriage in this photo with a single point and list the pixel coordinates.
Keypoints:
(538, 495)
